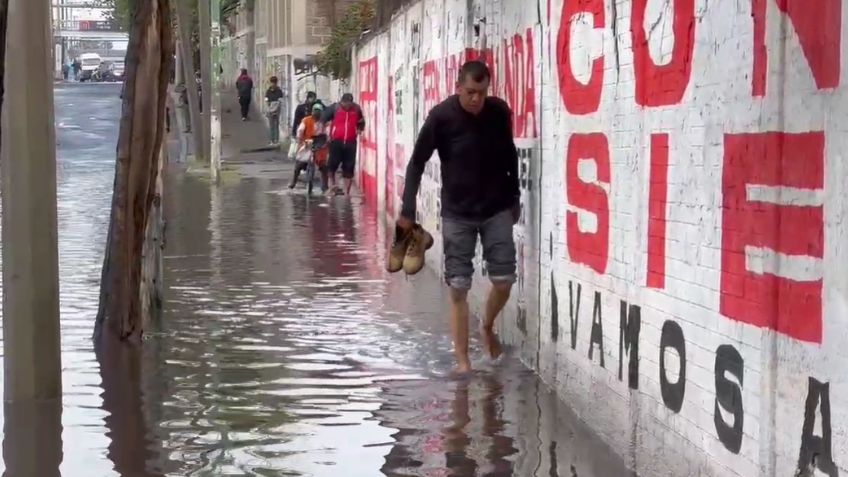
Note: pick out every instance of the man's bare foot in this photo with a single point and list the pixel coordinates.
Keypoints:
(462, 367)
(492, 343)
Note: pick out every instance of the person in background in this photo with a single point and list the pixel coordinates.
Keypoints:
(273, 99)
(346, 121)
(303, 110)
(66, 71)
(244, 86)
(310, 137)
(199, 81)
(480, 200)
(77, 67)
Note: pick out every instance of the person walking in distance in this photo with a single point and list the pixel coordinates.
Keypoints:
(244, 86)
(273, 99)
(346, 121)
(480, 198)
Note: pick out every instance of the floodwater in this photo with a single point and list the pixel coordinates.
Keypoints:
(284, 350)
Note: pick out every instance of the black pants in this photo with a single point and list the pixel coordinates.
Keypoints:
(244, 102)
(343, 154)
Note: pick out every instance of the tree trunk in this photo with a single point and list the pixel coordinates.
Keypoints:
(184, 23)
(122, 314)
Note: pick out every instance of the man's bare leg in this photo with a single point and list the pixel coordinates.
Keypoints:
(459, 327)
(348, 184)
(332, 182)
(498, 296)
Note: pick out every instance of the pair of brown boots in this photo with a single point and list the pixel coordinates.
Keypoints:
(408, 248)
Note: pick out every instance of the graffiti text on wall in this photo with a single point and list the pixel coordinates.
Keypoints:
(368, 95)
(771, 272)
(513, 67)
(816, 449)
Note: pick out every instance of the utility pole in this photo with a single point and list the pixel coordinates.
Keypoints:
(204, 17)
(32, 363)
(250, 54)
(215, 109)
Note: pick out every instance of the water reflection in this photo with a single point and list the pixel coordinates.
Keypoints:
(130, 447)
(290, 352)
(32, 438)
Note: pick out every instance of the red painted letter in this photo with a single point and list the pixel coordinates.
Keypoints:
(589, 248)
(431, 85)
(529, 109)
(819, 27)
(773, 232)
(663, 85)
(577, 97)
(657, 195)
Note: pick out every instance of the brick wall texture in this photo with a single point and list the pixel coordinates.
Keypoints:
(684, 186)
(322, 16)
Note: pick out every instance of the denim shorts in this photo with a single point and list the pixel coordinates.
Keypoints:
(460, 243)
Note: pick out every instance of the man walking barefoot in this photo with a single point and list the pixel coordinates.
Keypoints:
(346, 122)
(480, 197)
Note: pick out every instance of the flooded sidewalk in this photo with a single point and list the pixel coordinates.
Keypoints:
(287, 350)
(284, 349)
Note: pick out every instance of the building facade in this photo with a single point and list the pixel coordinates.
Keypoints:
(281, 38)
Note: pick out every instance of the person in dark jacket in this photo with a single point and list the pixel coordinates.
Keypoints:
(346, 121)
(244, 86)
(303, 110)
(273, 101)
(480, 197)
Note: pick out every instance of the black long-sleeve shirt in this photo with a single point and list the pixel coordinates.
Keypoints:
(300, 112)
(479, 161)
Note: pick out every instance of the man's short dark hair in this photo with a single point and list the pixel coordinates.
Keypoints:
(477, 70)
(274, 79)
(311, 95)
(347, 98)
(244, 71)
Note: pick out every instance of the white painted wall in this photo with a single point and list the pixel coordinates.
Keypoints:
(804, 93)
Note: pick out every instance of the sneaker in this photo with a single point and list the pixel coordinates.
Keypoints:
(397, 252)
(419, 242)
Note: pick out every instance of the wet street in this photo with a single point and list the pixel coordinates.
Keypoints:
(285, 349)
